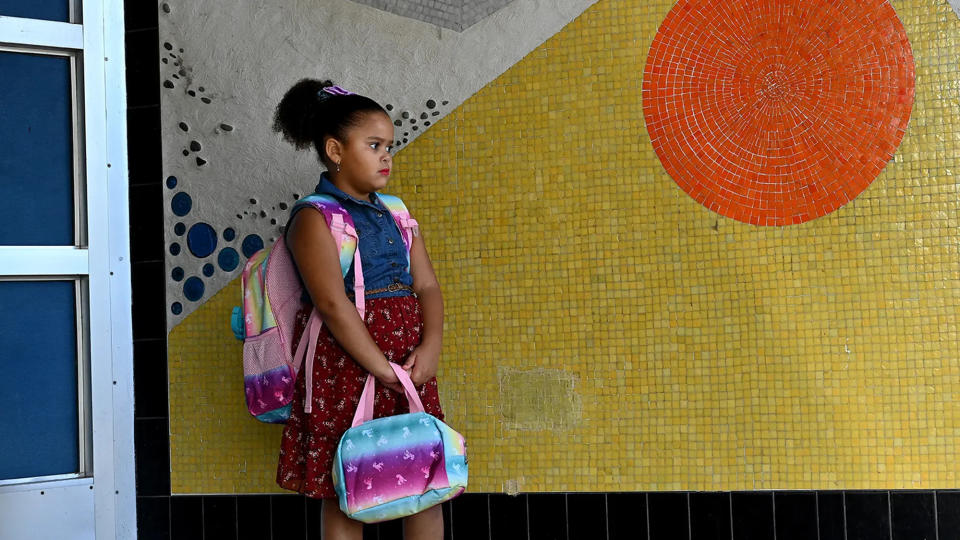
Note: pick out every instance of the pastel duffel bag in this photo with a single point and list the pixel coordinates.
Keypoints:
(397, 466)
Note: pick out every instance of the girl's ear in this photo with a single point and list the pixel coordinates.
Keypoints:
(334, 149)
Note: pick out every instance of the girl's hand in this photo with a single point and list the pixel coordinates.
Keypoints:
(422, 364)
(388, 378)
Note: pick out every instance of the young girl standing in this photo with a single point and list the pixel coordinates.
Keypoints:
(353, 137)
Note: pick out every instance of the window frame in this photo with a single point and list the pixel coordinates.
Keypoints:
(100, 500)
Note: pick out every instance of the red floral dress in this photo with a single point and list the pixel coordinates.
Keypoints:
(310, 440)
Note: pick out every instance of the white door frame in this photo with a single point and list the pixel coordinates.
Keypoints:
(100, 504)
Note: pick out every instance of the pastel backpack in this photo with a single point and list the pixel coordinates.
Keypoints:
(273, 294)
(396, 466)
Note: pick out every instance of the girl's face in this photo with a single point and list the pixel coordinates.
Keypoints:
(365, 156)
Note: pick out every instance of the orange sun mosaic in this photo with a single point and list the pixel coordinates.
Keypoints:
(777, 112)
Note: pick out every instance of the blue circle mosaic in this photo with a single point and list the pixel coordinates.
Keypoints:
(193, 288)
(202, 240)
(181, 204)
(171, 182)
(229, 234)
(251, 244)
(208, 269)
(177, 274)
(174, 248)
(228, 259)
(176, 308)
(179, 229)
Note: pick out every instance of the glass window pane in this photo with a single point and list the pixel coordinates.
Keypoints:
(48, 10)
(36, 150)
(38, 359)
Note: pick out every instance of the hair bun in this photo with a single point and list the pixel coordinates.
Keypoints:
(321, 94)
(297, 112)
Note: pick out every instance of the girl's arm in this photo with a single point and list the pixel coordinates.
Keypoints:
(315, 254)
(424, 360)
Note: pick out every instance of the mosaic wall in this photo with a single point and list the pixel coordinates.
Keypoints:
(230, 179)
(776, 113)
(607, 332)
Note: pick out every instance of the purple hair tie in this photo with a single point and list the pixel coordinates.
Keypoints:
(336, 91)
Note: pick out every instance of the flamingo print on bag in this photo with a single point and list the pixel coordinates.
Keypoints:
(382, 441)
(368, 482)
(351, 467)
(406, 432)
(408, 455)
(401, 480)
(368, 433)
(378, 466)
(425, 471)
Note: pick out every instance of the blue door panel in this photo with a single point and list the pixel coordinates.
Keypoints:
(36, 150)
(50, 10)
(38, 361)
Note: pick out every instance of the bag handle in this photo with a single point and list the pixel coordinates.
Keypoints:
(365, 407)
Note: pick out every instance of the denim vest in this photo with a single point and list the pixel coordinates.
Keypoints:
(382, 251)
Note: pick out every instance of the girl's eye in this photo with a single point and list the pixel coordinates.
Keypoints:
(374, 145)
(390, 149)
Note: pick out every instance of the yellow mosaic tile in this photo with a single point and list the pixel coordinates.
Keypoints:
(698, 352)
(215, 445)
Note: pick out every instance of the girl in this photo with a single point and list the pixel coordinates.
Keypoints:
(353, 137)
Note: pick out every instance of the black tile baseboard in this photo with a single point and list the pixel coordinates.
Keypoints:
(710, 516)
(948, 515)
(795, 515)
(753, 517)
(868, 515)
(626, 516)
(668, 516)
(831, 516)
(508, 516)
(912, 516)
(587, 515)
(547, 514)
(151, 438)
(877, 515)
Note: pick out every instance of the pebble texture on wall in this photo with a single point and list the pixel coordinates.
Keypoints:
(230, 179)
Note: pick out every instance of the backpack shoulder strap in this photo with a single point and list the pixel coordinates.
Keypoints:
(408, 226)
(340, 223)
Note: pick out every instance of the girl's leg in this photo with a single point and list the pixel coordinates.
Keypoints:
(427, 525)
(336, 525)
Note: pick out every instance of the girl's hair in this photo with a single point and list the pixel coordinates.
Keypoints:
(307, 115)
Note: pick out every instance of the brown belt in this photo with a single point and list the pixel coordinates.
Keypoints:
(393, 287)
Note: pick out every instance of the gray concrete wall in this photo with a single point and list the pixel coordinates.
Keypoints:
(225, 65)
